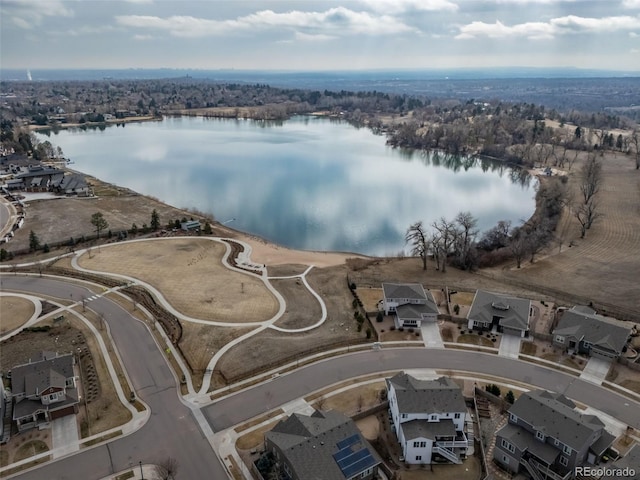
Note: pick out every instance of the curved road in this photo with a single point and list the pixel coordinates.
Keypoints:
(172, 430)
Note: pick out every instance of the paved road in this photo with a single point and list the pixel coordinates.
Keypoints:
(171, 429)
(226, 413)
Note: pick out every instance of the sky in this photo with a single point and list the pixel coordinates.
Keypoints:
(307, 35)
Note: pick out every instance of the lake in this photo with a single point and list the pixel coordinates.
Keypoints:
(310, 183)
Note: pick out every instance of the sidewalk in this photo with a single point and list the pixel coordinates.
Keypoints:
(147, 472)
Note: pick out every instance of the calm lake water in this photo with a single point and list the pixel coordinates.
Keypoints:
(308, 183)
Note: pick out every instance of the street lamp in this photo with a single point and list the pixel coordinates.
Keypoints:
(141, 473)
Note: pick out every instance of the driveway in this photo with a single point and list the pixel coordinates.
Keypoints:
(509, 346)
(596, 370)
(431, 335)
(64, 432)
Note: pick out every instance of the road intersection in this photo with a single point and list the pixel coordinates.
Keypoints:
(186, 430)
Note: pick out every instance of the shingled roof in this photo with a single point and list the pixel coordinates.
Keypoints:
(584, 324)
(323, 446)
(553, 414)
(50, 371)
(513, 311)
(427, 396)
(404, 290)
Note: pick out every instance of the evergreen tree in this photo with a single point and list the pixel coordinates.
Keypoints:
(34, 241)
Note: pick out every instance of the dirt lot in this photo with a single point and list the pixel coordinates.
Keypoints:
(15, 312)
(190, 275)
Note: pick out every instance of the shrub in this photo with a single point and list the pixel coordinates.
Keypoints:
(352, 286)
(411, 330)
(509, 397)
(456, 309)
(417, 334)
(368, 333)
(379, 317)
(392, 328)
(401, 329)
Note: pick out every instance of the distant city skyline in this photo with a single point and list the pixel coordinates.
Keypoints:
(319, 34)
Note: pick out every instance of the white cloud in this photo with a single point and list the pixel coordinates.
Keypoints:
(631, 3)
(401, 6)
(532, 30)
(142, 37)
(546, 30)
(333, 22)
(633, 35)
(29, 13)
(139, 1)
(305, 37)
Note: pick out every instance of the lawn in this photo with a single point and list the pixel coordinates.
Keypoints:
(475, 340)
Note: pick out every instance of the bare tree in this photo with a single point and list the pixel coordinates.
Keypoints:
(538, 235)
(518, 245)
(167, 468)
(590, 178)
(465, 238)
(447, 236)
(586, 214)
(635, 141)
(417, 236)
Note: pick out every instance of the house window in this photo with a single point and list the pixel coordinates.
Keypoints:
(566, 450)
(434, 418)
(404, 415)
(559, 339)
(423, 444)
(507, 446)
(416, 444)
(457, 415)
(556, 442)
(513, 418)
(564, 460)
(418, 457)
(540, 436)
(505, 459)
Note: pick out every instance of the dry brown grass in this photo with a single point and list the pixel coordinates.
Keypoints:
(254, 438)
(303, 309)
(15, 312)
(190, 275)
(475, 340)
(604, 265)
(355, 399)
(462, 298)
(370, 298)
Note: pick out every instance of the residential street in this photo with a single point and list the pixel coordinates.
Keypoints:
(173, 431)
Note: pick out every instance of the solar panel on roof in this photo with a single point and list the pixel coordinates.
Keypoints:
(353, 458)
(348, 441)
(359, 466)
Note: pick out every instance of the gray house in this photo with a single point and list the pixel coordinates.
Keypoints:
(504, 313)
(410, 302)
(429, 419)
(323, 446)
(548, 438)
(44, 390)
(74, 184)
(583, 331)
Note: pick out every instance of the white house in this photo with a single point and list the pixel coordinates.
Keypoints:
(410, 302)
(429, 419)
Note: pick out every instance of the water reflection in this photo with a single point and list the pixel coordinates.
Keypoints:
(311, 183)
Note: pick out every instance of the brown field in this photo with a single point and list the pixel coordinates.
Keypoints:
(303, 309)
(190, 275)
(604, 266)
(15, 312)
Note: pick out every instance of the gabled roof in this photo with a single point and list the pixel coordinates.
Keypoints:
(404, 290)
(513, 311)
(584, 324)
(74, 181)
(33, 378)
(553, 414)
(323, 446)
(415, 310)
(442, 395)
(524, 440)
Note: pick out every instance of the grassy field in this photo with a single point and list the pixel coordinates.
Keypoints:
(21, 310)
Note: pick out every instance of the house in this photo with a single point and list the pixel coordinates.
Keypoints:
(583, 331)
(411, 304)
(504, 313)
(546, 437)
(325, 445)
(190, 225)
(40, 178)
(74, 184)
(429, 419)
(44, 390)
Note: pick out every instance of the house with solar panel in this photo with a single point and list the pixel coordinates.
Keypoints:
(410, 302)
(429, 419)
(548, 438)
(324, 445)
(500, 313)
